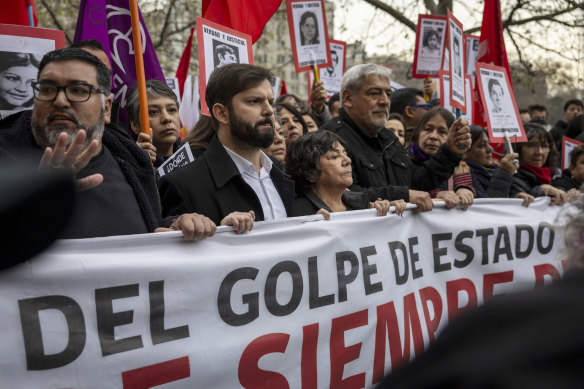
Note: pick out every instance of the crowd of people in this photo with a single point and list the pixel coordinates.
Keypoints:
(260, 158)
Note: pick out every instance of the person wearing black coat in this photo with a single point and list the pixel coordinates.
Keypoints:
(379, 162)
(321, 169)
(572, 178)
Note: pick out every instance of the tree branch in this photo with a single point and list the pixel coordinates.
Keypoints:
(526, 65)
(166, 23)
(56, 21)
(393, 12)
(559, 53)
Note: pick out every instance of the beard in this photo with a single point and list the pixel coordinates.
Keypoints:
(250, 134)
(47, 136)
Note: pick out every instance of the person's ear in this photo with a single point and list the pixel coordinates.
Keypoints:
(347, 99)
(107, 112)
(409, 112)
(135, 127)
(221, 113)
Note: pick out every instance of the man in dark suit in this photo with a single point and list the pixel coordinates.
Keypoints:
(234, 182)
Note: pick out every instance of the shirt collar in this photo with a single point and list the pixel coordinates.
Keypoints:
(245, 165)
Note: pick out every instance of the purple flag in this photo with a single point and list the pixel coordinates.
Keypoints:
(109, 22)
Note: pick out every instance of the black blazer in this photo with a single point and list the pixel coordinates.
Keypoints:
(212, 186)
(308, 203)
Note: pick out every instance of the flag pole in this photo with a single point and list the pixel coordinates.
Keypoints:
(30, 13)
(140, 75)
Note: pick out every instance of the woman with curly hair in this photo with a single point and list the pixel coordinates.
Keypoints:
(319, 164)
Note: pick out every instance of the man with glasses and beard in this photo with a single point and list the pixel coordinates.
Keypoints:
(234, 176)
(67, 130)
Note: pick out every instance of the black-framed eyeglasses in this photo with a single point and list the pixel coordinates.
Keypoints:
(75, 93)
(423, 106)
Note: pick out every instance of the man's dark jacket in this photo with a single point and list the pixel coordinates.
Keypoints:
(566, 181)
(17, 144)
(213, 186)
(381, 165)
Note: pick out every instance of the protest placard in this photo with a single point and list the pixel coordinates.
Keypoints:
(332, 76)
(472, 51)
(219, 45)
(308, 34)
(456, 48)
(173, 84)
(497, 96)
(568, 144)
(430, 39)
(182, 157)
(445, 91)
(21, 51)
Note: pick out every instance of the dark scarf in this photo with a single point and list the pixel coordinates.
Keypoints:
(417, 154)
(481, 173)
(542, 174)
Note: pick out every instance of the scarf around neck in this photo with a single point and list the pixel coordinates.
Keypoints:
(542, 174)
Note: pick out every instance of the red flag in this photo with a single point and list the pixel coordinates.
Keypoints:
(183, 66)
(283, 91)
(491, 50)
(16, 12)
(247, 16)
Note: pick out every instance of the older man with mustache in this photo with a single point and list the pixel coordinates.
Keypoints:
(380, 164)
(69, 128)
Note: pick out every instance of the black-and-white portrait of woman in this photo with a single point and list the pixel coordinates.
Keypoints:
(17, 73)
(431, 43)
(309, 29)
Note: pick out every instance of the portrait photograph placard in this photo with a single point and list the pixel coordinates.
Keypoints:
(499, 103)
(430, 39)
(444, 81)
(21, 51)
(568, 144)
(331, 77)
(218, 46)
(308, 34)
(456, 48)
(472, 51)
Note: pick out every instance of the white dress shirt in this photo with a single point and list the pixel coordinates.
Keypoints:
(262, 185)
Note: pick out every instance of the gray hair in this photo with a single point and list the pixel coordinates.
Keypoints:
(571, 218)
(154, 89)
(355, 77)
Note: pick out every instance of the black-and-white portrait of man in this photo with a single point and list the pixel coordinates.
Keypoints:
(224, 54)
(496, 95)
(332, 71)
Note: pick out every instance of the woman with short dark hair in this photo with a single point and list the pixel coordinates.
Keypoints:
(17, 73)
(319, 164)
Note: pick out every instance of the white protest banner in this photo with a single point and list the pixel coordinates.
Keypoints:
(182, 157)
(430, 38)
(568, 144)
(296, 303)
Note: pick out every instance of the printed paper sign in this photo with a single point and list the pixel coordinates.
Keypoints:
(182, 157)
(331, 77)
(308, 34)
(497, 96)
(456, 49)
(445, 91)
(21, 51)
(472, 51)
(218, 46)
(568, 144)
(430, 40)
(173, 84)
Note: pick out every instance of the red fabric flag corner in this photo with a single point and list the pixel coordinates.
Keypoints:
(283, 91)
(16, 12)
(183, 66)
(247, 16)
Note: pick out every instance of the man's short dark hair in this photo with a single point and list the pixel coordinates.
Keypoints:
(154, 89)
(402, 98)
(229, 80)
(75, 54)
(88, 44)
(335, 97)
(492, 83)
(573, 102)
(575, 154)
(536, 107)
